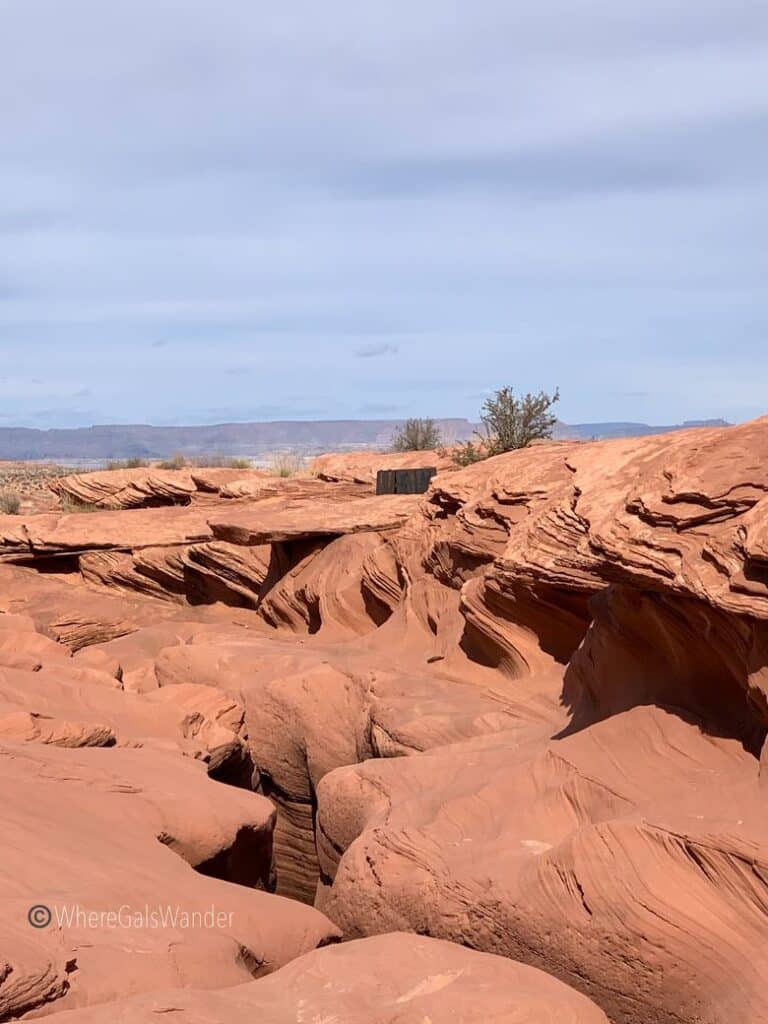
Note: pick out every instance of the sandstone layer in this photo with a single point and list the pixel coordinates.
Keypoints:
(362, 467)
(396, 977)
(507, 739)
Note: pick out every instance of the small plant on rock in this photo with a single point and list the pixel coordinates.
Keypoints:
(220, 462)
(133, 463)
(467, 453)
(175, 462)
(510, 423)
(286, 464)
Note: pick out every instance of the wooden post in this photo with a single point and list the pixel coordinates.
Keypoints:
(404, 481)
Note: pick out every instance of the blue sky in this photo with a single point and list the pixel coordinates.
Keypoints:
(231, 211)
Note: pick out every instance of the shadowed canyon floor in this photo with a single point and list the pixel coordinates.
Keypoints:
(492, 753)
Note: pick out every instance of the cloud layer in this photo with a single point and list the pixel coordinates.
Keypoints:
(216, 212)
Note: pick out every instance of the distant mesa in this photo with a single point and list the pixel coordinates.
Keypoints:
(122, 441)
(602, 431)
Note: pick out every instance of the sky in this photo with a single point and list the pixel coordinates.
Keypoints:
(222, 211)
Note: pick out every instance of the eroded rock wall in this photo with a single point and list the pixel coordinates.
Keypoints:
(524, 714)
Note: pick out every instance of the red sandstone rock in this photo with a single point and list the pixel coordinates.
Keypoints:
(66, 705)
(157, 572)
(523, 712)
(326, 590)
(127, 488)
(607, 867)
(60, 534)
(263, 486)
(150, 487)
(398, 977)
(362, 467)
(279, 520)
(69, 613)
(232, 573)
(102, 830)
(214, 479)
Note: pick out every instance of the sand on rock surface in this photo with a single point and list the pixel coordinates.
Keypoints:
(397, 977)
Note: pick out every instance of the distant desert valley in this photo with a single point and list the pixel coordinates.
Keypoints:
(277, 747)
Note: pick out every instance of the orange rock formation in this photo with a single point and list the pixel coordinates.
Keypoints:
(505, 738)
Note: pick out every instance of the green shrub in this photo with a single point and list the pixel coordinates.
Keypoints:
(417, 435)
(467, 453)
(509, 423)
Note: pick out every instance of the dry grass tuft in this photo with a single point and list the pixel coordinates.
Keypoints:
(132, 463)
(10, 502)
(286, 464)
(180, 461)
(177, 461)
(220, 462)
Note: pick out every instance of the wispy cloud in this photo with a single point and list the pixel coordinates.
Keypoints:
(374, 350)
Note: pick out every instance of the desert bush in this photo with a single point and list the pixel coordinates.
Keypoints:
(467, 453)
(510, 423)
(286, 464)
(10, 502)
(220, 462)
(133, 463)
(417, 435)
(175, 462)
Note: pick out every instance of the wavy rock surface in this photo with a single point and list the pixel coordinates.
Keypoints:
(525, 714)
(143, 819)
(62, 534)
(66, 705)
(623, 868)
(607, 869)
(261, 487)
(669, 531)
(152, 487)
(279, 520)
(127, 488)
(399, 977)
(69, 613)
